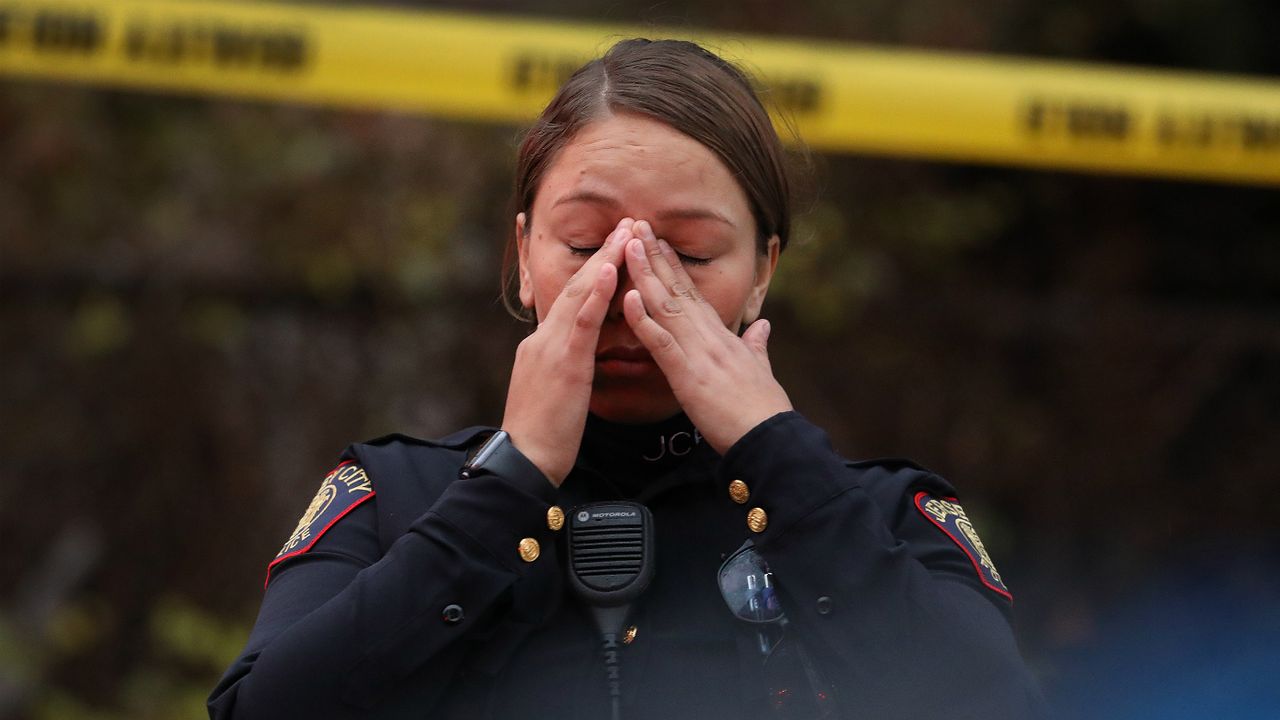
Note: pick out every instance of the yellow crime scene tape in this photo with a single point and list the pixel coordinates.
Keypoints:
(841, 98)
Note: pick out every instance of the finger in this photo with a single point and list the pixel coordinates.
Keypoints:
(611, 251)
(660, 343)
(586, 325)
(757, 339)
(659, 303)
(680, 282)
(670, 269)
(702, 315)
(577, 289)
(661, 266)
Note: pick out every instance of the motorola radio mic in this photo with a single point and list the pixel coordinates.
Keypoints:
(611, 562)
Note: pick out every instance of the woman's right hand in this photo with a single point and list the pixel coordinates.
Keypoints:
(555, 366)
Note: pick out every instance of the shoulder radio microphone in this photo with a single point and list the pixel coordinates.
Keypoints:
(611, 562)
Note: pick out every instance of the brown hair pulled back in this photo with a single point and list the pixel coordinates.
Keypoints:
(685, 86)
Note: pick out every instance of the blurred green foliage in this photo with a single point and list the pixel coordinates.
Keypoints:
(101, 325)
(187, 646)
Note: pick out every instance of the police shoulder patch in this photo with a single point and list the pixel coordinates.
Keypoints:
(343, 489)
(951, 519)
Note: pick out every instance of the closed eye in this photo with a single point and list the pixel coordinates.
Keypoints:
(583, 251)
(686, 259)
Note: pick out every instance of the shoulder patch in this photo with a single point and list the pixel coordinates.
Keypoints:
(343, 489)
(951, 519)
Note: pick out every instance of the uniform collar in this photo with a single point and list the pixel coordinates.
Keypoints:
(640, 461)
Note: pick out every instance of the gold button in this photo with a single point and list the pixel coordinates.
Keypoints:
(739, 492)
(757, 519)
(529, 550)
(555, 517)
(629, 635)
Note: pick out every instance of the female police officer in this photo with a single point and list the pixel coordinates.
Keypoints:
(654, 207)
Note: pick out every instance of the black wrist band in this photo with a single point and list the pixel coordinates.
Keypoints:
(498, 456)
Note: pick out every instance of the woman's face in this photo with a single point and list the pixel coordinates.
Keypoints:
(626, 165)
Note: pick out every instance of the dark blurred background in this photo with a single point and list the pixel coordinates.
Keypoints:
(203, 301)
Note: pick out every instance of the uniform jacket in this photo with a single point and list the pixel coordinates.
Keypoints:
(404, 595)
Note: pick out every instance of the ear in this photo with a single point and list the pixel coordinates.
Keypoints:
(766, 263)
(522, 256)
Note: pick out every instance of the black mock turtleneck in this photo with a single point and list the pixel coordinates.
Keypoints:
(637, 460)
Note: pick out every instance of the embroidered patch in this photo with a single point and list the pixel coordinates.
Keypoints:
(343, 489)
(952, 520)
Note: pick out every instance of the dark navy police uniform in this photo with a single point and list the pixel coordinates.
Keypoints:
(408, 593)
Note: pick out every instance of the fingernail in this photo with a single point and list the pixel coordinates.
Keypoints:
(636, 248)
(764, 331)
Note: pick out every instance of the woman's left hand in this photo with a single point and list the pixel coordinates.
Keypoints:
(723, 382)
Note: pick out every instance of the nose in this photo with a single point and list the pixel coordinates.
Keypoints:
(624, 284)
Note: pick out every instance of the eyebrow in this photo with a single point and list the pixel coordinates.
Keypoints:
(679, 213)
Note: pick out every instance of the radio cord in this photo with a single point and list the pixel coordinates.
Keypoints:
(610, 621)
(613, 673)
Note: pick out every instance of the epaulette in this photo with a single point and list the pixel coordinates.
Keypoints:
(454, 441)
(888, 463)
